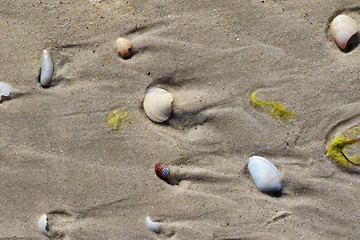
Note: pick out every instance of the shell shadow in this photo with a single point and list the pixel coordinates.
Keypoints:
(353, 43)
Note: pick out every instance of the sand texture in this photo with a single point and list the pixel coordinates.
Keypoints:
(58, 155)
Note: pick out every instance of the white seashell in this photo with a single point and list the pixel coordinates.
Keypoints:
(124, 47)
(5, 89)
(158, 104)
(264, 174)
(342, 29)
(47, 68)
(153, 226)
(43, 225)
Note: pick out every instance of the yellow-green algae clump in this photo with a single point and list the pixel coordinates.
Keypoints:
(336, 148)
(275, 109)
(116, 119)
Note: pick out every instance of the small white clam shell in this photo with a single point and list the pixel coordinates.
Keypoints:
(43, 225)
(5, 89)
(47, 68)
(342, 29)
(124, 47)
(264, 174)
(158, 104)
(153, 226)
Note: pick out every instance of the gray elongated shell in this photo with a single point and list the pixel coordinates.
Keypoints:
(47, 68)
(342, 29)
(43, 225)
(158, 104)
(153, 226)
(5, 89)
(264, 174)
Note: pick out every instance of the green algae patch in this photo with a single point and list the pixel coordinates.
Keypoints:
(275, 109)
(335, 150)
(341, 148)
(117, 119)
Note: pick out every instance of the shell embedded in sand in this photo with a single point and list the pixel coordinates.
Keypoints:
(43, 225)
(264, 174)
(342, 29)
(162, 171)
(158, 104)
(47, 68)
(5, 89)
(124, 47)
(153, 226)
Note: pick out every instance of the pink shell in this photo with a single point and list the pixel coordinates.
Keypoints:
(162, 171)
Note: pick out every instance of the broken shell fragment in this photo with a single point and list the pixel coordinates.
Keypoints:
(162, 171)
(43, 225)
(264, 174)
(47, 68)
(342, 29)
(124, 47)
(153, 226)
(158, 104)
(5, 89)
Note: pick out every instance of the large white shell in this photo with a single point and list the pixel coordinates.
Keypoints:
(158, 104)
(47, 68)
(153, 226)
(5, 89)
(264, 174)
(342, 29)
(43, 225)
(124, 47)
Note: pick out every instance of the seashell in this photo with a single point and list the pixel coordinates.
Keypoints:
(162, 171)
(158, 104)
(47, 68)
(43, 225)
(124, 47)
(342, 29)
(5, 89)
(264, 174)
(153, 226)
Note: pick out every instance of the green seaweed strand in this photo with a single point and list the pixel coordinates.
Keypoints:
(335, 150)
(276, 109)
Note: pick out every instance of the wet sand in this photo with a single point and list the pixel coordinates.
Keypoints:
(58, 155)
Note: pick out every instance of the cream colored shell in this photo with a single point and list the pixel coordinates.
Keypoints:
(342, 29)
(158, 104)
(123, 45)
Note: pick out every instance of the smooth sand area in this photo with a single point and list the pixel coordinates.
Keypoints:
(58, 155)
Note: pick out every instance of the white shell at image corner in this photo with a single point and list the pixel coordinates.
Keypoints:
(264, 174)
(123, 45)
(5, 89)
(153, 226)
(158, 104)
(47, 68)
(342, 29)
(42, 225)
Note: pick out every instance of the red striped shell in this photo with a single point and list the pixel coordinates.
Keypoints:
(162, 171)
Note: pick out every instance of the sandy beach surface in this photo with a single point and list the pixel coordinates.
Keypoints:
(59, 156)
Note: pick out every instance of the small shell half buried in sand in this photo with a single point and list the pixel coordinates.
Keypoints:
(162, 171)
(158, 104)
(47, 68)
(124, 47)
(264, 174)
(342, 29)
(5, 89)
(153, 226)
(43, 225)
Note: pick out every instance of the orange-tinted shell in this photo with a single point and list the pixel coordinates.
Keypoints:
(162, 171)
